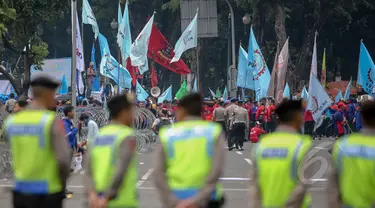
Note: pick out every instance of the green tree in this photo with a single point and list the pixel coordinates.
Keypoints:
(24, 37)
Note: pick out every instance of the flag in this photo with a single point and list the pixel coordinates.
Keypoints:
(258, 67)
(63, 87)
(281, 69)
(154, 76)
(138, 50)
(324, 72)
(124, 36)
(161, 51)
(188, 39)
(274, 75)
(318, 100)
(314, 62)
(132, 70)
(366, 70)
(225, 94)
(304, 94)
(347, 91)
(286, 93)
(88, 17)
(96, 83)
(103, 43)
(195, 87)
(143, 68)
(182, 91)
(79, 59)
(218, 93)
(243, 93)
(338, 97)
(109, 67)
(245, 78)
(142, 95)
(213, 95)
(119, 13)
(167, 95)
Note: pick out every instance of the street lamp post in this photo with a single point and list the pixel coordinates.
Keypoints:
(114, 26)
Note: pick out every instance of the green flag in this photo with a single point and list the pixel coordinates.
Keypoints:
(218, 93)
(182, 91)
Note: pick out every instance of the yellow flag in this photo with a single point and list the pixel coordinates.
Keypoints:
(324, 72)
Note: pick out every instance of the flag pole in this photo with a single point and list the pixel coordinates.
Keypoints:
(74, 57)
(198, 71)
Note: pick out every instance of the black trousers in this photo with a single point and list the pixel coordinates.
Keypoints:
(309, 127)
(216, 204)
(238, 134)
(38, 201)
(222, 123)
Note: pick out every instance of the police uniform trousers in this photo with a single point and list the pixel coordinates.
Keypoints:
(222, 123)
(21, 200)
(238, 134)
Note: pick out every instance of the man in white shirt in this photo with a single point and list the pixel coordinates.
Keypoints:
(92, 127)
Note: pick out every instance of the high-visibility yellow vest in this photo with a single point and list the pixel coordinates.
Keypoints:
(354, 158)
(104, 155)
(35, 167)
(189, 147)
(278, 156)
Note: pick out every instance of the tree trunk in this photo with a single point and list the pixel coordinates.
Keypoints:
(279, 22)
(16, 85)
(26, 81)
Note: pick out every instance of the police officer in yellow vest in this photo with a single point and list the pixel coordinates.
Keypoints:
(111, 162)
(351, 180)
(189, 160)
(41, 158)
(276, 162)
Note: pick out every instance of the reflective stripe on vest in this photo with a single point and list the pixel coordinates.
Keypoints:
(29, 129)
(193, 132)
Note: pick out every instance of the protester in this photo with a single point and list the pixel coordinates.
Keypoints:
(9, 104)
(255, 132)
(20, 105)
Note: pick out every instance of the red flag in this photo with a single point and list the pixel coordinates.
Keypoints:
(161, 51)
(154, 77)
(132, 70)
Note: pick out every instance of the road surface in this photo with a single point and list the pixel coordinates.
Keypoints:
(234, 180)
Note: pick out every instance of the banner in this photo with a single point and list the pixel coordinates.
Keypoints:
(182, 91)
(161, 52)
(142, 95)
(109, 67)
(245, 77)
(366, 68)
(80, 62)
(104, 47)
(167, 95)
(124, 36)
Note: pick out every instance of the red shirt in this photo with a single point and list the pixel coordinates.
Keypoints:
(270, 110)
(254, 134)
(308, 116)
(262, 110)
(249, 109)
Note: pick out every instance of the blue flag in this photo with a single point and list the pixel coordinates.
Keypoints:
(119, 13)
(142, 95)
(286, 93)
(338, 97)
(124, 36)
(366, 70)
(225, 94)
(88, 17)
(195, 87)
(347, 91)
(167, 95)
(304, 94)
(104, 48)
(109, 67)
(63, 87)
(244, 79)
(257, 65)
(96, 83)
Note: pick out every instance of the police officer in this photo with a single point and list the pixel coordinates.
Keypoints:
(229, 116)
(111, 163)
(276, 160)
(189, 160)
(219, 115)
(240, 123)
(41, 157)
(351, 178)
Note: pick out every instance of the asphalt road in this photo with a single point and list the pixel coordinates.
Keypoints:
(234, 180)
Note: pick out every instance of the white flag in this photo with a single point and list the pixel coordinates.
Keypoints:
(319, 100)
(314, 63)
(139, 48)
(188, 39)
(79, 59)
(88, 17)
